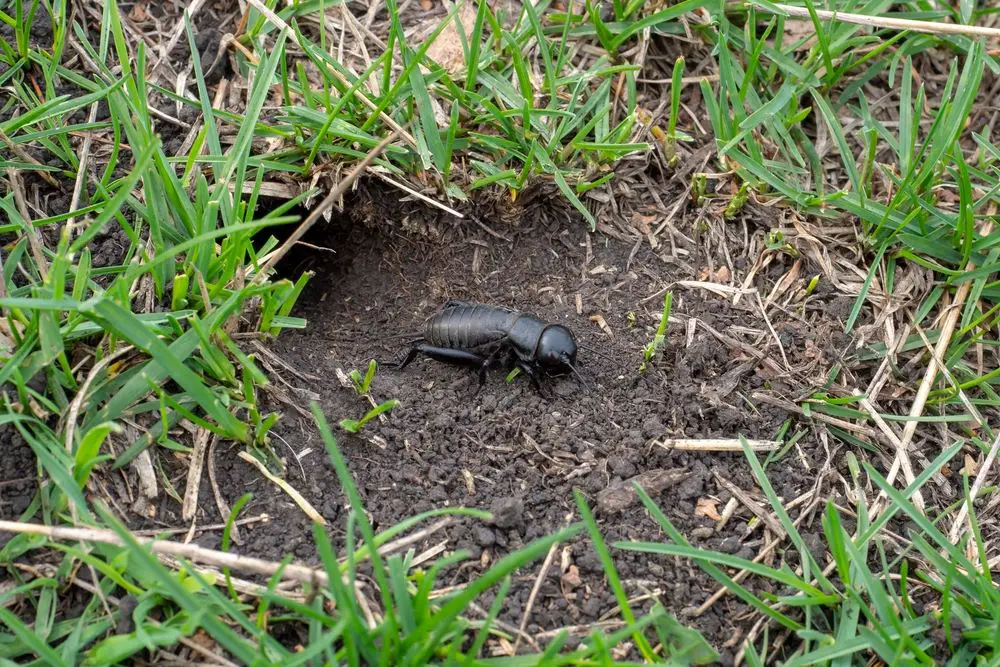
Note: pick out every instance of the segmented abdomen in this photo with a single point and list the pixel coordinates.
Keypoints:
(469, 326)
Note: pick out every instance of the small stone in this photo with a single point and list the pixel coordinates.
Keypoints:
(621, 467)
(485, 537)
(565, 389)
(589, 562)
(730, 545)
(507, 513)
(634, 439)
(595, 482)
(652, 427)
(475, 551)
(702, 532)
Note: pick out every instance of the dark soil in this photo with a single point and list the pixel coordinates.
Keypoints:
(507, 448)
(17, 474)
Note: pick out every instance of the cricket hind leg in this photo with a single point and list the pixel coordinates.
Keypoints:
(479, 360)
(443, 354)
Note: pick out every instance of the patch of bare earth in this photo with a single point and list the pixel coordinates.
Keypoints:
(750, 337)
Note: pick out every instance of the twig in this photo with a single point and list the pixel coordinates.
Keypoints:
(534, 589)
(933, 27)
(716, 444)
(192, 552)
(321, 208)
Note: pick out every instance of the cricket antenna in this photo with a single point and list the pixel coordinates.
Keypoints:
(576, 373)
(594, 351)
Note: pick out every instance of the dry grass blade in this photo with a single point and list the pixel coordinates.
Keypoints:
(902, 456)
(34, 240)
(422, 197)
(212, 657)
(716, 444)
(536, 587)
(756, 508)
(416, 537)
(159, 532)
(953, 312)
(963, 511)
(788, 406)
(932, 27)
(286, 487)
(194, 474)
(220, 502)
(191, 552)
(24, 155)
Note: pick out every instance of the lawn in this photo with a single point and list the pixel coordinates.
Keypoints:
(770, 228)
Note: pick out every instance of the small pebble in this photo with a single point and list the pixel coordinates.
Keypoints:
(507, 513)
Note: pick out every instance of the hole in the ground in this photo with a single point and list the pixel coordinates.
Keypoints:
(327, 247)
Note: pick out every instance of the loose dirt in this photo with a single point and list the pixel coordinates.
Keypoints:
(507, 449)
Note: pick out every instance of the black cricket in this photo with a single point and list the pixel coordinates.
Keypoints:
(478, 335)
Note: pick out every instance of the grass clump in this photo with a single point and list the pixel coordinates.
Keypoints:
(651, 349)
(355, 425)
(363, 384)
(869, 608)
